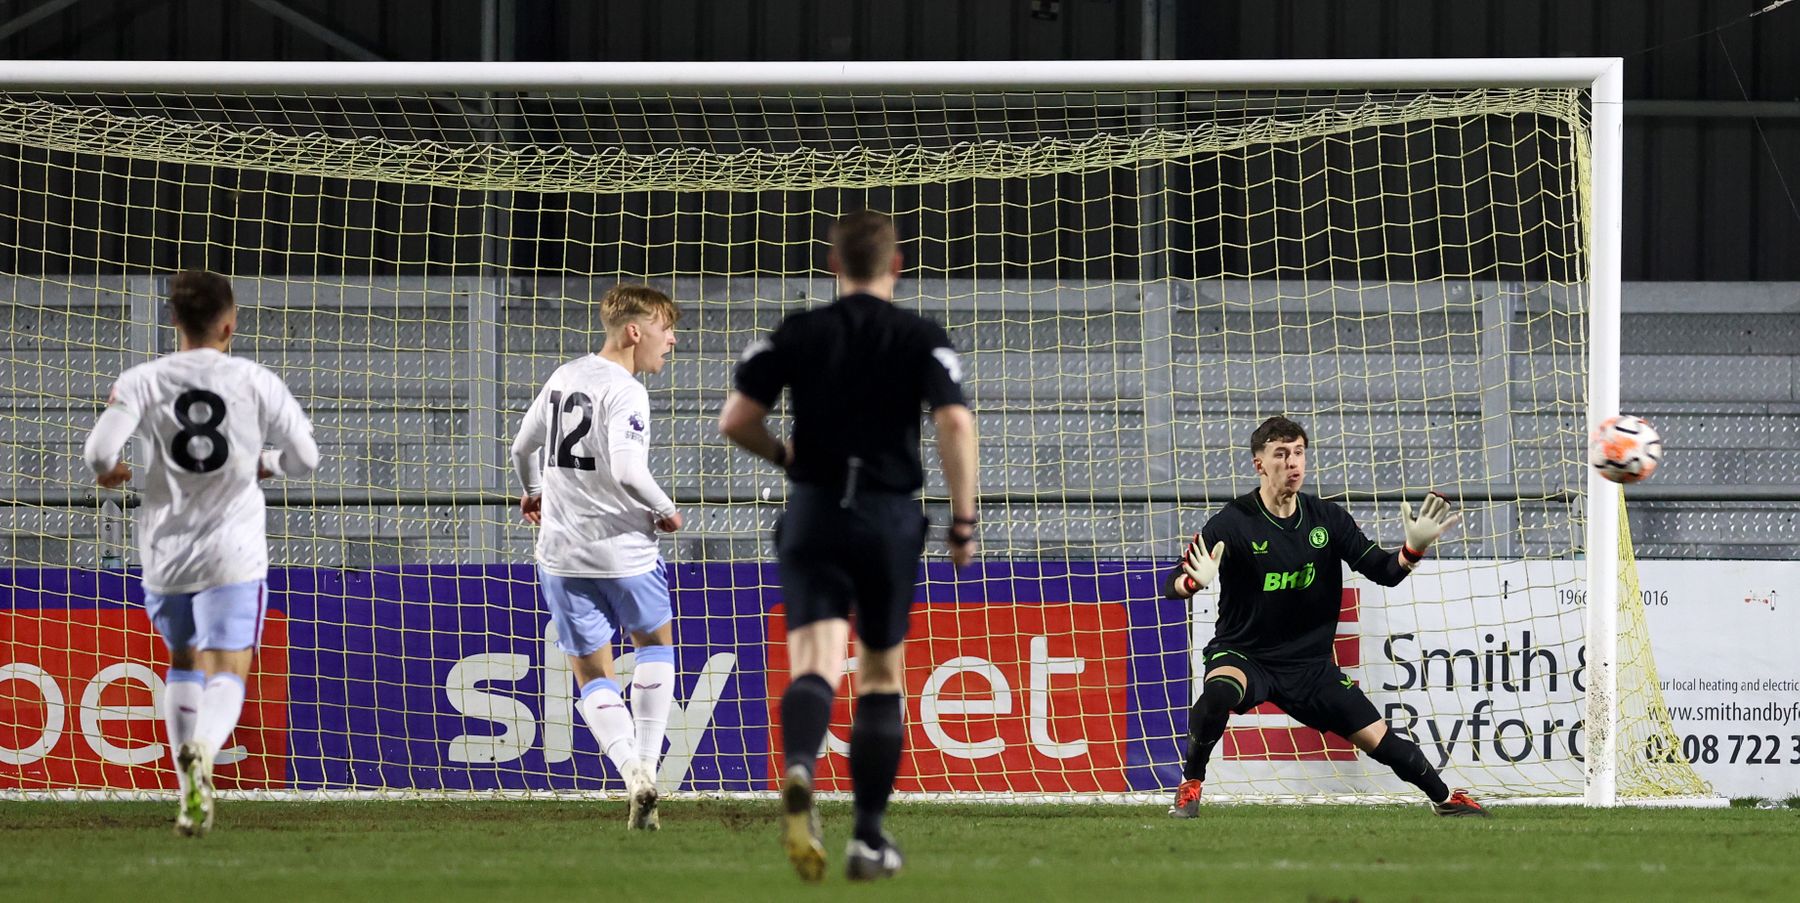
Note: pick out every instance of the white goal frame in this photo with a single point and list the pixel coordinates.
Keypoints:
(1601, 77)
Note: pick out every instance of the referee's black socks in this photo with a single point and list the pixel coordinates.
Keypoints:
(805, 714)
(1206, 723)
(1408, 761)
(875, 740)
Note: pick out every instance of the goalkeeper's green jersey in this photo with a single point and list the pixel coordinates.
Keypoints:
(1280, 586)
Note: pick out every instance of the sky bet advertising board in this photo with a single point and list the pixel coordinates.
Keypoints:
(1019, 677)
(1022, 677)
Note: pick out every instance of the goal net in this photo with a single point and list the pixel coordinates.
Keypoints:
(1137, 276)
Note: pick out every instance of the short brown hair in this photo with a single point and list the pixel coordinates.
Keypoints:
(198, 299)
(864, 242)
(1276, 429)
(626, 303)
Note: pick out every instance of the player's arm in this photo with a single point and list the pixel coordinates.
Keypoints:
(957, 455)
(762, 373)
(295, 453)
(525, 448)
(107, 439)
(744, 421)
(628, 439)
(1389, 567)
(956, 440)
(1198, 567)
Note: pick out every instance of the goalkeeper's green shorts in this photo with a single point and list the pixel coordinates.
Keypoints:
(1316, 694)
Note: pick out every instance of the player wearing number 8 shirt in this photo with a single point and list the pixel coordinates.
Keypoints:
(599, 509)
(1275, 554)
(202, 418)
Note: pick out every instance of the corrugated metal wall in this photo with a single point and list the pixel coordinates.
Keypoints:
(1664, 59)
(1704, 193)
(1706, 198)
(245, 30)
(831, 30)
(584, 30)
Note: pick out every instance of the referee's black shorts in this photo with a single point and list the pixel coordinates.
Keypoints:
(1316, 693)
(862, 558)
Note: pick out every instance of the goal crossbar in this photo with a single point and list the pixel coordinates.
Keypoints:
(603, 77)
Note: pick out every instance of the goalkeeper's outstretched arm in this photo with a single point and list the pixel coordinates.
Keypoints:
(1388, 568)
(1197, 569)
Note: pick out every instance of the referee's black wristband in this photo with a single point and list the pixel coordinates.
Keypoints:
(955, 539)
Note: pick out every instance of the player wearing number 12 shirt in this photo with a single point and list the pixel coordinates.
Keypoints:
(202, 418)
(582, 453)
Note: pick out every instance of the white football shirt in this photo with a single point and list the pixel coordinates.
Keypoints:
(592, 422)
(202, 419)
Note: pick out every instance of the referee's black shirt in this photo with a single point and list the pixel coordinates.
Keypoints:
(860, 369)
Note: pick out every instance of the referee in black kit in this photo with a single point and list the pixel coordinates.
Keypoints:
(860, 372)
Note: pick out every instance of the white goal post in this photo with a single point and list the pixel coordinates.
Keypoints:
(463, 334)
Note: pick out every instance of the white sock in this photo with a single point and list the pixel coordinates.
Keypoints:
(220, 707)
(652, 692)
(181, 708)
(606, 715)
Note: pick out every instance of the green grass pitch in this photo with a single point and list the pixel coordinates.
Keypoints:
(491, 851)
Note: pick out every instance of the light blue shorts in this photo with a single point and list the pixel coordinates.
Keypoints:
(586, 610)
(225, 618)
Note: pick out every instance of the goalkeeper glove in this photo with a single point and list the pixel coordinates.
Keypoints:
(1198, 567)
(1433, 519)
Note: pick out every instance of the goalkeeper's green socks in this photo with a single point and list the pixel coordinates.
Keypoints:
(1408, 761)
(1206, 723)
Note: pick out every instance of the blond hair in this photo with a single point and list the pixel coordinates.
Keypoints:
(626, 303)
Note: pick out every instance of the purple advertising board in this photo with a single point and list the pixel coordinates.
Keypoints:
(445, 677)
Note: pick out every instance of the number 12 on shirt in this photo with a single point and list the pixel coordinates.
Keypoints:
(560, 450)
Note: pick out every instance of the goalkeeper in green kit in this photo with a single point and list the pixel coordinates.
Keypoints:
(1274, 554)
